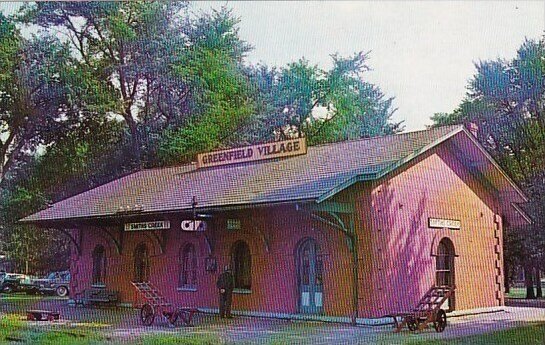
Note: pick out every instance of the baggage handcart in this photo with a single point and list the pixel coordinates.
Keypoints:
(428, 311)
(157, 305)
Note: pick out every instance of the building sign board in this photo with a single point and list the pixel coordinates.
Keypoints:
(286, 148)
(234, 224)
(143, 226)
(444, 223)
(193, 225)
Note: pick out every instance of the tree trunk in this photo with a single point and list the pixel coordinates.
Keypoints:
(528, 277)
(539, 292)
(506, 278)
(135, 139)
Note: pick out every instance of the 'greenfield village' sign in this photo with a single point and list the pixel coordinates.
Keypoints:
(277, 149)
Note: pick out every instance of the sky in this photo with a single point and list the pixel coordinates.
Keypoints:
(421, 52)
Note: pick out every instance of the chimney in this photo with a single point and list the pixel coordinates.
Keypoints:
(473, 128)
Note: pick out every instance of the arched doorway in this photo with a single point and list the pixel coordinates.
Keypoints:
(444, 269)
(310, 277)
(141, 263)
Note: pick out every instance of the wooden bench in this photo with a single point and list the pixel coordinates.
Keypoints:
(97, 296)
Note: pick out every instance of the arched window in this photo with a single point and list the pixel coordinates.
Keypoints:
(188, 266)
(241, 262)
(141, 263)
(99, 265)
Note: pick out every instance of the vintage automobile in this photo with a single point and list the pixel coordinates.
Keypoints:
(14, 282)
(55, 283)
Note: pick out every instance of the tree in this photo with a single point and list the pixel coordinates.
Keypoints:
(224, 100)
(31, 250)
(324, 106)
(33, 95)
(129, 48)
(506, 99)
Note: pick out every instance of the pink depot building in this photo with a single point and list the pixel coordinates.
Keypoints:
(349, 231)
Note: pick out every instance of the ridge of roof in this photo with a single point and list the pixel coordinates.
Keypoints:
(348, 141)
(379, 137)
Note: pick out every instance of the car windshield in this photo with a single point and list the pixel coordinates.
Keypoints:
(51, 275)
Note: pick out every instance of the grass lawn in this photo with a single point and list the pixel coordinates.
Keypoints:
(528, 335)
(14, 330)
(516, 293)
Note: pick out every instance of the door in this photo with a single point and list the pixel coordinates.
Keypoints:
(310, 274)
(444, 267)
(141, 263)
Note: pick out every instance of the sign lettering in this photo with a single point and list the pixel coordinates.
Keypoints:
(444, 223)
(286, 148)
(234, 224)
(193, 225)
(143, 226)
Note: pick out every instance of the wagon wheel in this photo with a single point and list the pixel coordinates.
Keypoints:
(173, 317)
(440, 321)
(412, 323)
(147, 314)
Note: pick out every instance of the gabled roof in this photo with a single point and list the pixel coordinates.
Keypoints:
(316, 176)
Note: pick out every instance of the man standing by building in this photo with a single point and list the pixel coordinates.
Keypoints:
(226, 284)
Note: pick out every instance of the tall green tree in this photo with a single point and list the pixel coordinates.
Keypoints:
(128, 47)
(224, 102)
(322, 105)
(506, 99)
(33, 95)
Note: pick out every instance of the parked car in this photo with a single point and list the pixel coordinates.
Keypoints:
(14, 282)
(55, 283)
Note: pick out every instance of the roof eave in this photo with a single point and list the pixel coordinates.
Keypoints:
(496, 165)
(216, 208)
(394, 166)
(522, 213)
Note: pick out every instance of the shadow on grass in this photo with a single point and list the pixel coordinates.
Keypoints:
(532, 334)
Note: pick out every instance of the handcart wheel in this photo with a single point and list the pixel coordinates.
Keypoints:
(440, 321)
(412, 323)
(147, 314)
(173, 317)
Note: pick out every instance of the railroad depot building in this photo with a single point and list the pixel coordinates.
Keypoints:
(356, 229)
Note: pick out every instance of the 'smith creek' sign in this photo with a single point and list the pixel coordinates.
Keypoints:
(444, 223)
(292, 147)
(154, 225)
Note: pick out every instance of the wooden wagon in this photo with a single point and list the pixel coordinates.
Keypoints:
(427, 311)
(157, 305)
